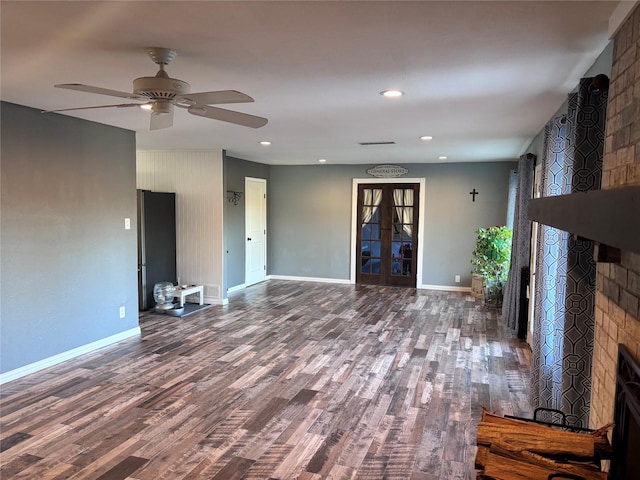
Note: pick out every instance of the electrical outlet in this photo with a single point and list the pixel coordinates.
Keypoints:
(122, 312)
(457, 278)
(127, 224)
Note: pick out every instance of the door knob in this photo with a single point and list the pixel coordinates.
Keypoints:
(249, 238)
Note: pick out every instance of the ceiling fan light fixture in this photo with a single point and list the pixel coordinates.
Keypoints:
(322, 160)
(426, 138)
(442, 157)
(265, 143)
(392, 93)
(162, 106)
(146, 106)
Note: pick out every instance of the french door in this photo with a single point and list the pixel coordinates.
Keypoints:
(387, 234)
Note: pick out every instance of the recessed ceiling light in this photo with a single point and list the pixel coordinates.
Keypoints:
(426, 138)
(322, 160)
(442, 157)
(146, 106)
(265, 143)
(391, 93)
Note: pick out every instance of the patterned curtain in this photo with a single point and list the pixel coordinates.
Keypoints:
(587, 114)
(551, 261)
(565, 269)
(521, 241)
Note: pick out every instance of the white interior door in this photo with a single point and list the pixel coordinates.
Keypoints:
(256, 230)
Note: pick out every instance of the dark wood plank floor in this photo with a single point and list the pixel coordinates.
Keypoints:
(290, 381)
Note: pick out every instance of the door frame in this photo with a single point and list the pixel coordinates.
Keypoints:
(354, 220)
(533, 257)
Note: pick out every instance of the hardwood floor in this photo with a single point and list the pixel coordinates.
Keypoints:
(289, 381)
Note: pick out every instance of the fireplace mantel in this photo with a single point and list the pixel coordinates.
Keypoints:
(610, 217)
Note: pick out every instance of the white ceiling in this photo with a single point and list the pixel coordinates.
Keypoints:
(481, 77)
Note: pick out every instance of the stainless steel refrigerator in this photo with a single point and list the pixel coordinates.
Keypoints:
(156, 243)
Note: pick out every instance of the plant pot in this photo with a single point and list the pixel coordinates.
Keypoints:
(493, 293)
(477, 286)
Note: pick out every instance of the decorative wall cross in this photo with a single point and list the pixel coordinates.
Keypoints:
(474, 193)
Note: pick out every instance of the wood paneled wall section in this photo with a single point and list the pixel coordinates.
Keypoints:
(618, 285)
(196, 179)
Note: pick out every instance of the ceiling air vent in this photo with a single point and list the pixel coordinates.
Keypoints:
(377, 143)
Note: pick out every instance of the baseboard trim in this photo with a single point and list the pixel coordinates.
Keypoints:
(237, 288)
(215, 301)
(445, 288)
(68, 355)
(309, 279)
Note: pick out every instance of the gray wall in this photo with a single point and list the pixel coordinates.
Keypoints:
(451, 217)
(309, 217)
(235, 171)
(67, 263)
(309, 220)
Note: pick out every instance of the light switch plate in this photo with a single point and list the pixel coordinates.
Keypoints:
(127, 224)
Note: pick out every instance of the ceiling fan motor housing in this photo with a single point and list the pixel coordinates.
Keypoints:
(158, 88)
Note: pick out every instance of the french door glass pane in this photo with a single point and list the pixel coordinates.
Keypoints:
(402, 241)
(370, 234)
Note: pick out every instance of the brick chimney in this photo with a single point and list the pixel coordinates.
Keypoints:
(618, 284)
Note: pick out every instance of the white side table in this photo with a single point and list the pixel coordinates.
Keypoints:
(183, 292)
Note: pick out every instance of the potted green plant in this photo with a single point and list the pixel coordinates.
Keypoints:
(490, 260)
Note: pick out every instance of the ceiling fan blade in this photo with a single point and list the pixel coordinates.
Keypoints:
(230, 116)
(99, 90)
(119, 105)
(213, 98)
(161, 120)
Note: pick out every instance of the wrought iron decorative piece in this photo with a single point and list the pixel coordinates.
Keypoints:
(233, 197)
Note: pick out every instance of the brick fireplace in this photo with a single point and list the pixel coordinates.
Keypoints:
(618, 284)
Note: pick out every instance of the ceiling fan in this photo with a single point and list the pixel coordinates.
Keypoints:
(161, 93)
